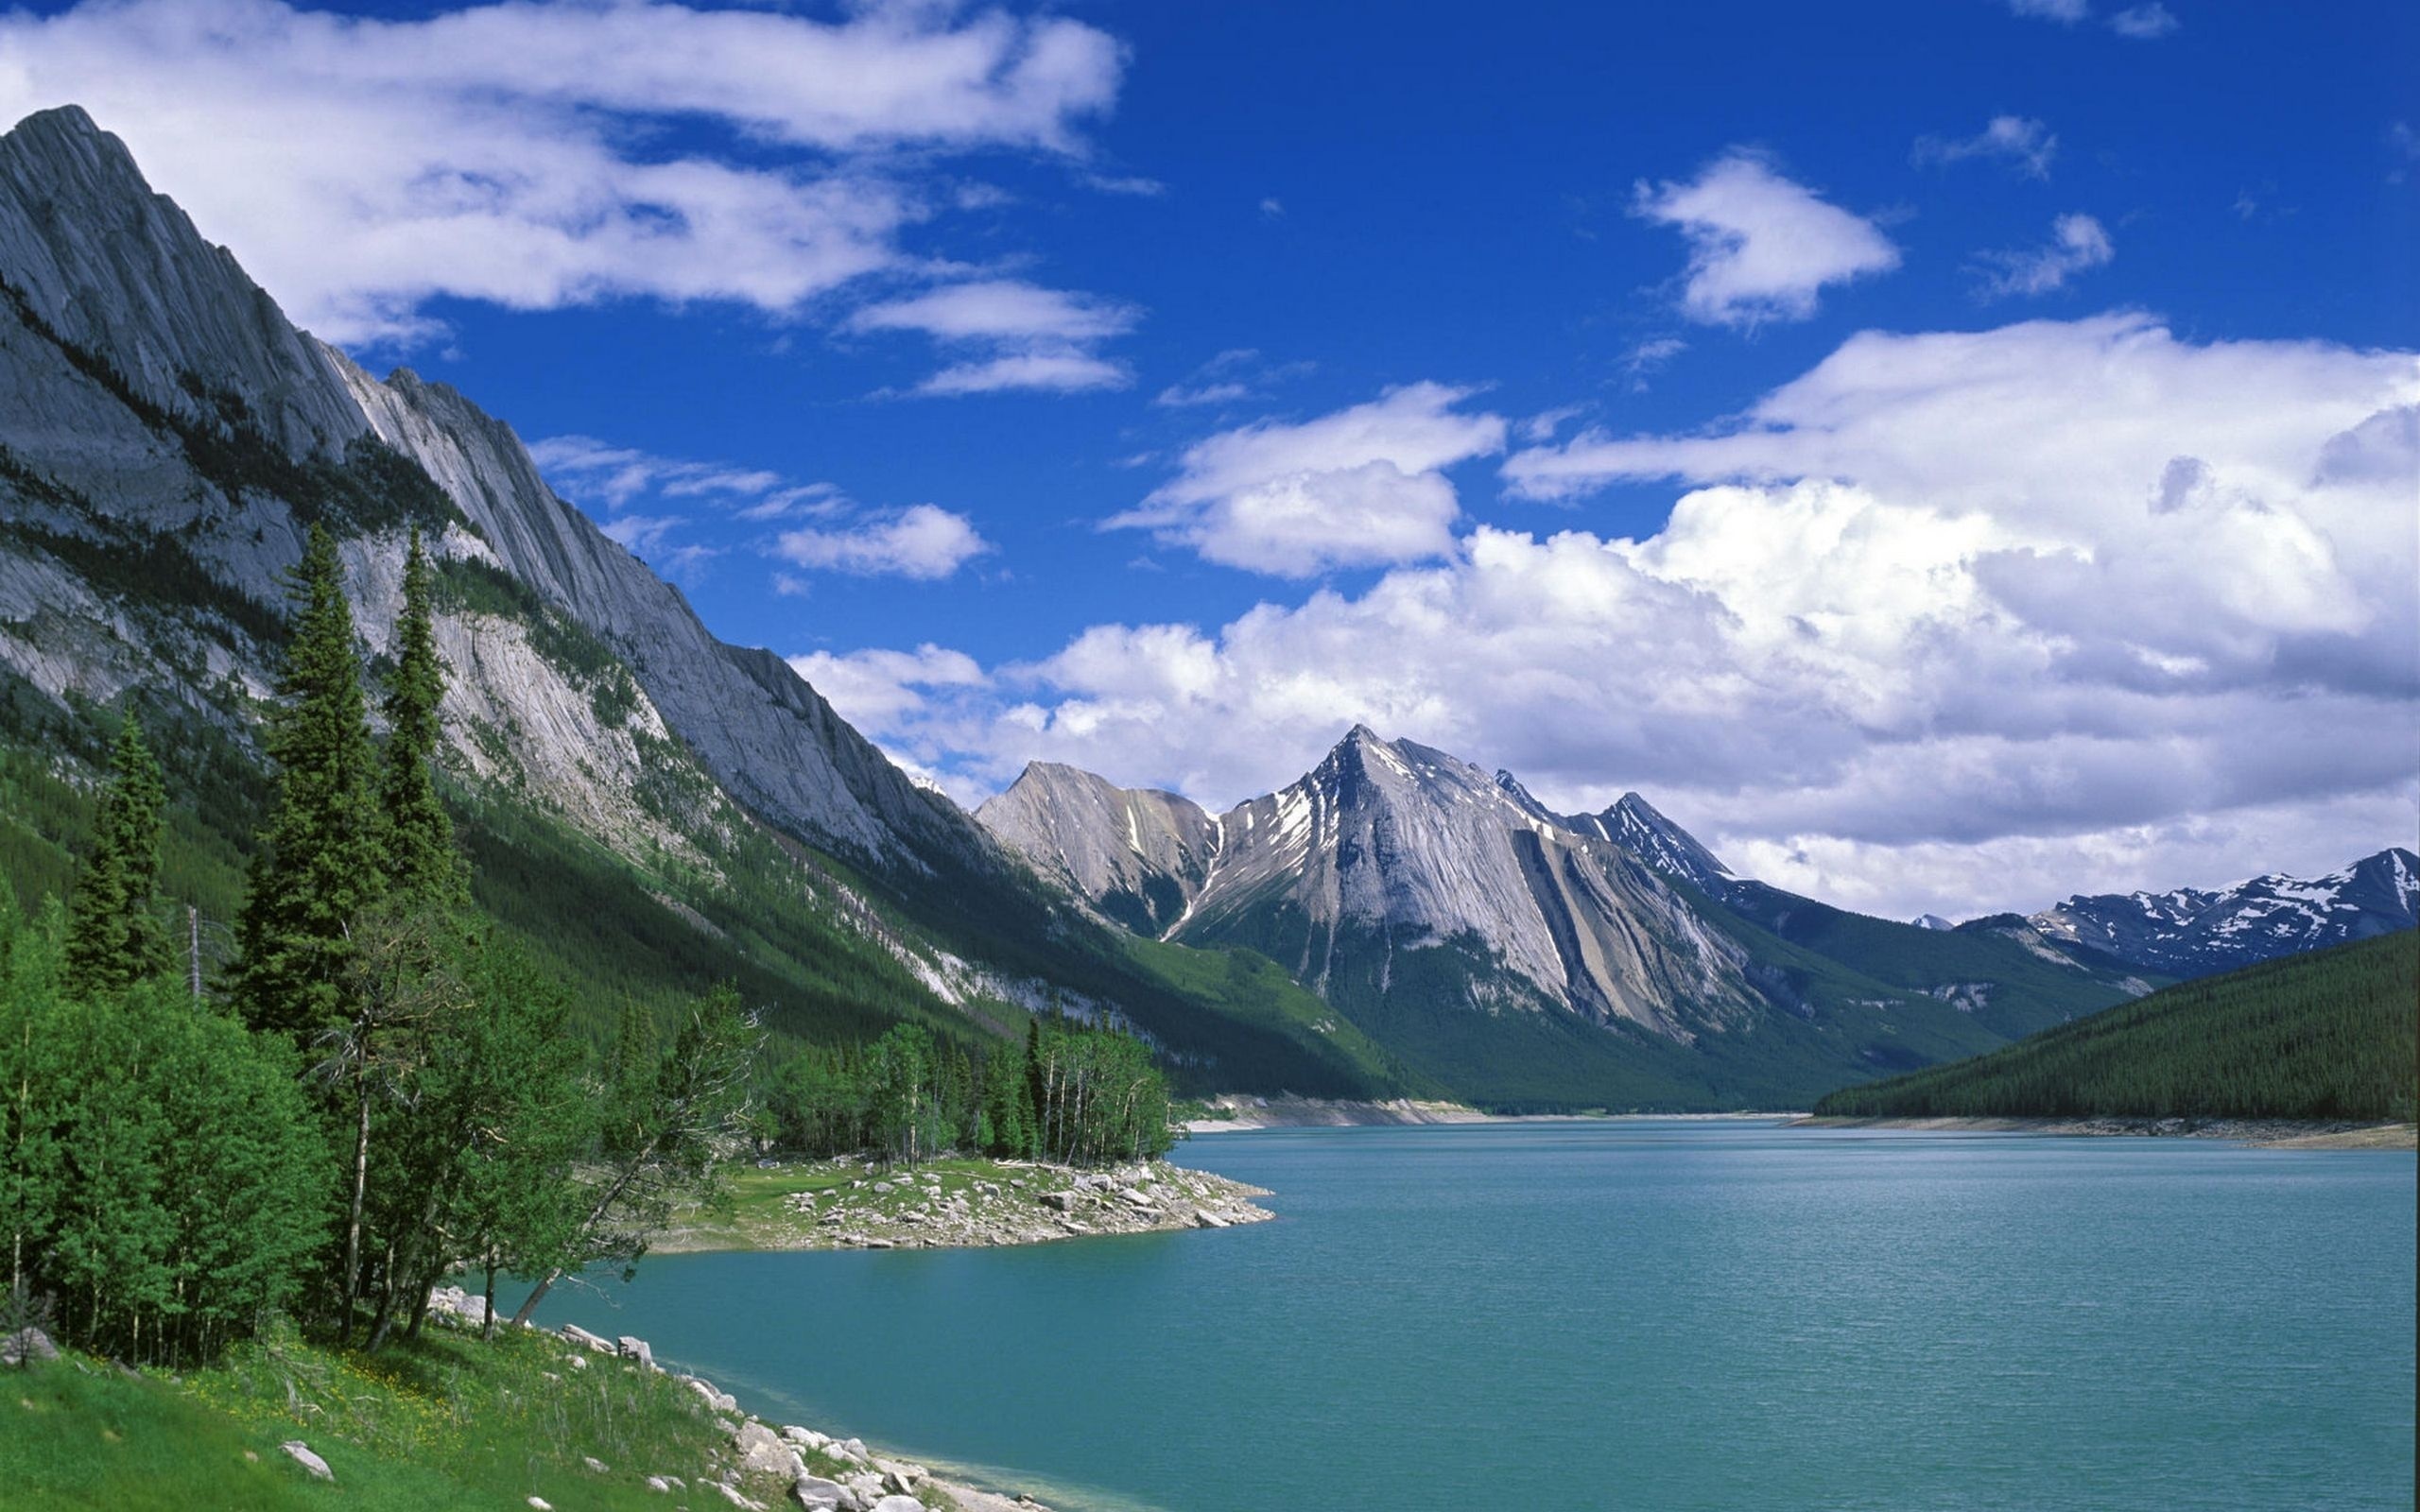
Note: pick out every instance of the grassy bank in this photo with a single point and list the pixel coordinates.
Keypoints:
(448, 1422)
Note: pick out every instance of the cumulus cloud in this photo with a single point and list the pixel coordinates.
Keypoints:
(2065, 12)
(1875, 652)
(874, 690)
(1761, 247)
(1362, 486)
(2078, 244)
(521, 154)
(2026, 144)
(921, 542)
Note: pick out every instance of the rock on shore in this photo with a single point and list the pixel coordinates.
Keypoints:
(855, 1204)
(764, 1466)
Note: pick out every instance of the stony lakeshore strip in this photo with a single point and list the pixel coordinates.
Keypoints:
(2268, 1133)
(763, 1465)
(854, 1204)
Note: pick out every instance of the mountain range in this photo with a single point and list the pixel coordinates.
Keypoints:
(1467, 926)
(654, 810)
(1527, 956)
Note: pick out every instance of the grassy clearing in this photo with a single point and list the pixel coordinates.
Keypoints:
(449, 1422)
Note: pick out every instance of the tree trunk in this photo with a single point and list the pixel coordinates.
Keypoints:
(587, 1227)
(353, 1225)
(405, 1270)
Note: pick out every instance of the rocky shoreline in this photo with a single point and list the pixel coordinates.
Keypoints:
(857, 1204)
(764, 1466)
(2267, 1133)
(1237, 1115)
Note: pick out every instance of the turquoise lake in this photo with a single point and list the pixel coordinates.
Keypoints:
(1653, 1314)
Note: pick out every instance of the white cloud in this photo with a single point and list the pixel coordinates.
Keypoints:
(1043, 337)
(1645, 360)
(2078, 244)
(1540, 428)
(874, 690)
(1876, 651)
(2144, 22)
(999, 310)
(1176, 396)
(1760, 246)
(515, 153)
(641, 533)
(921, 542)
(1231, 376)
(586, 469)
(612, 482)
(2028, 144)
(2065, 12)
(1064, 373)
(1272, 210)
(1228, 378)
(1362, 486)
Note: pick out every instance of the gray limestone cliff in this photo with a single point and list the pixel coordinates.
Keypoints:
(156, 393)
(1392, 846)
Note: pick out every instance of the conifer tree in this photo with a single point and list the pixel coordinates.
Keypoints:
(665, 1130)
(421, 863)
(319, 862)
(113, 937)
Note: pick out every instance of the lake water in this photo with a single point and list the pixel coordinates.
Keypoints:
(1653, 1314)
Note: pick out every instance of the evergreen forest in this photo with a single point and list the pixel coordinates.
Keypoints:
(381, 1087)
(2326, 1035)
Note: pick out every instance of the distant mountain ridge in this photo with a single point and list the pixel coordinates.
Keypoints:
(2189, 931)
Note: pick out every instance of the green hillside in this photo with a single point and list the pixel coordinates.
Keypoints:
(2022, 991)
(2329, 1035)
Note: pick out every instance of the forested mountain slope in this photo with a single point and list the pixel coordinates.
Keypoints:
(653, 809)
(2326, 1035)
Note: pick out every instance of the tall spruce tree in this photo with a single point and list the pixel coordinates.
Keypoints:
(421, 863)
(319, 862)
(114, 938)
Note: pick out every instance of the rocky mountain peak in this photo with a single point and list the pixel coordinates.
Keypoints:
(116, 270)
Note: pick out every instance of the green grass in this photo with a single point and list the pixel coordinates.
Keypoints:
(2330, 1036)
(451, 1422)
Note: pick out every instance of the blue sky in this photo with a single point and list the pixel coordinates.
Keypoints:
(1165, 387)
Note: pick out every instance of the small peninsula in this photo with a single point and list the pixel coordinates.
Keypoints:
(853, 1202)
